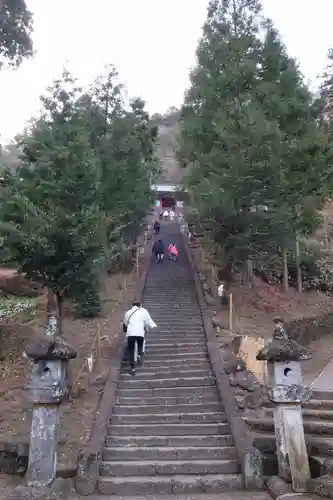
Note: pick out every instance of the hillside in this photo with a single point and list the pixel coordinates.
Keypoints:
(168, 129)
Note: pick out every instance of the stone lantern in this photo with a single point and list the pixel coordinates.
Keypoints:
(48, 387)
(285, 389)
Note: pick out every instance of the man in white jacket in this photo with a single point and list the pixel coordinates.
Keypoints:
(136, 322)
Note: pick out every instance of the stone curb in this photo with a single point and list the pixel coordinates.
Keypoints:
(250, 457)
(90, 455)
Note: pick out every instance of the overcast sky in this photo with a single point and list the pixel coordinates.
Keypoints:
(151, 42)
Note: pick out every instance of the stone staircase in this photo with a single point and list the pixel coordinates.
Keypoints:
(318, 428)
(168, 434)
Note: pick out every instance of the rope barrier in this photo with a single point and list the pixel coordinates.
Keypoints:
(96, 345)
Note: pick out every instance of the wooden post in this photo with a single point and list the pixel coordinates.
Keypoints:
(125, 287)
(298, 265)
(98, 343)
(326, 231)
(285, 270)
(249, 272)
(137, 261)
(230, 312)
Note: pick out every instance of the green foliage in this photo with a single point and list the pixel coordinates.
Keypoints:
(125, 142)
(50, 209)
(261, 168)
(86, 293)
(81, 189)
(15, 306)
(15, 33)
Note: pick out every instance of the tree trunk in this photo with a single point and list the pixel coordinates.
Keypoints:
(298, 266)
(285, 270)
(249, 272)
(60, 307)
(51, 304)
(326, 232)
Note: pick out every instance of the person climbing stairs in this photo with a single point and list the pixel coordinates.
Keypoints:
(168, 432)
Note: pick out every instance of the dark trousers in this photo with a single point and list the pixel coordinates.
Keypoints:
(159, 256)
(224, 300)
(131, 348)
(172, 256)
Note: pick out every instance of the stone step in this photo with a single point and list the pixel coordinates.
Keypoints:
(212, 441)
(171, 418)
(176, 349)
(310, 426)
(168, 468)
(176, 325)
(234, 495)
(310, 414)
(183, 307)
(169, 453)
(135, 392)
(167, 485)
(162, 409)
(315, 404)
(184, 313)
(155, 344)
(180, 327)
(316, 445)
(144, 373)
(178, 287)
(167, 302)
(168, 340)
(173, 356)
(175, 361)
(177, 333)
(208, 397)
(186, 294)
(158, 305)
(166, 369)
(174, 353)
(175, 304)
(326, 395)
(156, 383)
(175, 337)
(169, 429)
(322, 486)
(184, 357)
(185, 317)
(155, 368)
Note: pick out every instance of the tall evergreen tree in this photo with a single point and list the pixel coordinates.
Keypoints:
(81, 190)
(261, 167)
(301, 165)
(224, 131)
(50, 208)
(15, 32)
(125, 143)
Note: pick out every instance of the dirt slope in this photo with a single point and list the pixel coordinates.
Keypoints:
(168, 130)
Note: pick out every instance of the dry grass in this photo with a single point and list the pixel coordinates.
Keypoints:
(78, 413)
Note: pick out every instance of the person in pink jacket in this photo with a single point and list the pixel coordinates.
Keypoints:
(172, 252)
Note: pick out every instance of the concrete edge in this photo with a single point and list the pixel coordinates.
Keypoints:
(250, 457)
(59, 490)
(89, 456)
